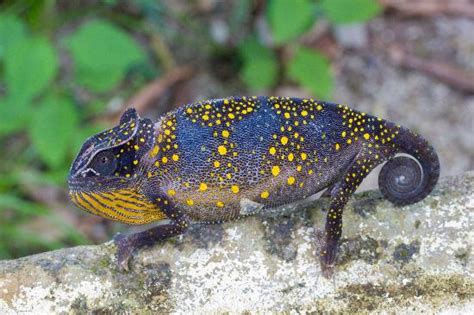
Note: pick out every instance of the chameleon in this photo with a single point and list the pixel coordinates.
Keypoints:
(222, 159)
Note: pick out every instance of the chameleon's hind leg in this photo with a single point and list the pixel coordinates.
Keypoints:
(340, 194)
(127, 245)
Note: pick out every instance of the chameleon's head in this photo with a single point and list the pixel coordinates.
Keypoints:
(105, 178)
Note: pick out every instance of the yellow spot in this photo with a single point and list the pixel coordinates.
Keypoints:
(189, 110)
(235, 189)
(164, 159)
(226, 101)
(337, 146)
(319, 107)
(169, 123)
(205, 117)
(175, 157)
(155, 151)
(167, 132)
(287, 115)
(217, 164)
(135, 162)
(299, 168)
(136, 147)
(220, 204)
(157, 163)
(275, 170)
(171, 192)
(304, 113)
(304, 156)
(291, 180)
(343, 134)
(291, 157)
(190, 202)
(127, 175)
(265, 194)
(222, 150)
(366, 136)
(225, 133)
(349, 141)
(272, 151)
(284, 140)
(231, 116)
(202, 187)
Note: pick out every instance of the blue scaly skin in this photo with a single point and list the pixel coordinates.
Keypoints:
(218, 160)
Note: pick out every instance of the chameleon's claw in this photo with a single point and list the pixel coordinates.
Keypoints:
(124, 251)
(328, 258)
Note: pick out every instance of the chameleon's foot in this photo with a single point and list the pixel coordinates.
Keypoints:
(127, 245)
(328, 258)
(125, 250)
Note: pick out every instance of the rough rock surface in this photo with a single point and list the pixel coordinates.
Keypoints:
(410, 259)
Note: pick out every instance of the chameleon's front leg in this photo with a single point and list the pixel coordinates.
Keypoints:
(340, 194)
(127, 245)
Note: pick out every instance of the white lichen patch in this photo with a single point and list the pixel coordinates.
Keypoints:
(57, 298)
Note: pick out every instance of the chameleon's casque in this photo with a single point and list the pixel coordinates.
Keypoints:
(222, 159)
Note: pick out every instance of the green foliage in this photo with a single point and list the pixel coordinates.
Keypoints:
(20, 206)
(260, 65)
(102, 54)
(30, 65)
(14, 115)
(289, 18)
(350, 11)
(36, 103)
(11, 31)
(53, 130)
(311, 70)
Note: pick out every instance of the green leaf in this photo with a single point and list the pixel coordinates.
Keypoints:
(350, 11)
(53, 130)
(260, 66)
(102, 54)
(30, 65)
(23, 207)
(311, 70)
(14, 115)
(289, 18)
(12, 30)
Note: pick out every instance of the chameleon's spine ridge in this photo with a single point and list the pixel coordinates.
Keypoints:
(401, 179)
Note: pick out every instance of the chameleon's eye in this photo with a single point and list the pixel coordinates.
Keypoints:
(104, 163)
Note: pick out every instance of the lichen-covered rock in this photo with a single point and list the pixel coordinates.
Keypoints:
(415, 258)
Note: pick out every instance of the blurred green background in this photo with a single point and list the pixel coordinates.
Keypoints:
(69, 68)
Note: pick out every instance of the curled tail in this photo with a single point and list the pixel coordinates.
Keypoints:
(404, 180)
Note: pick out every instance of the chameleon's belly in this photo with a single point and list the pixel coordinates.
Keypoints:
(211, 201)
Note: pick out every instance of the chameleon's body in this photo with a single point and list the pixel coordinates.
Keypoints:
(221, 159)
